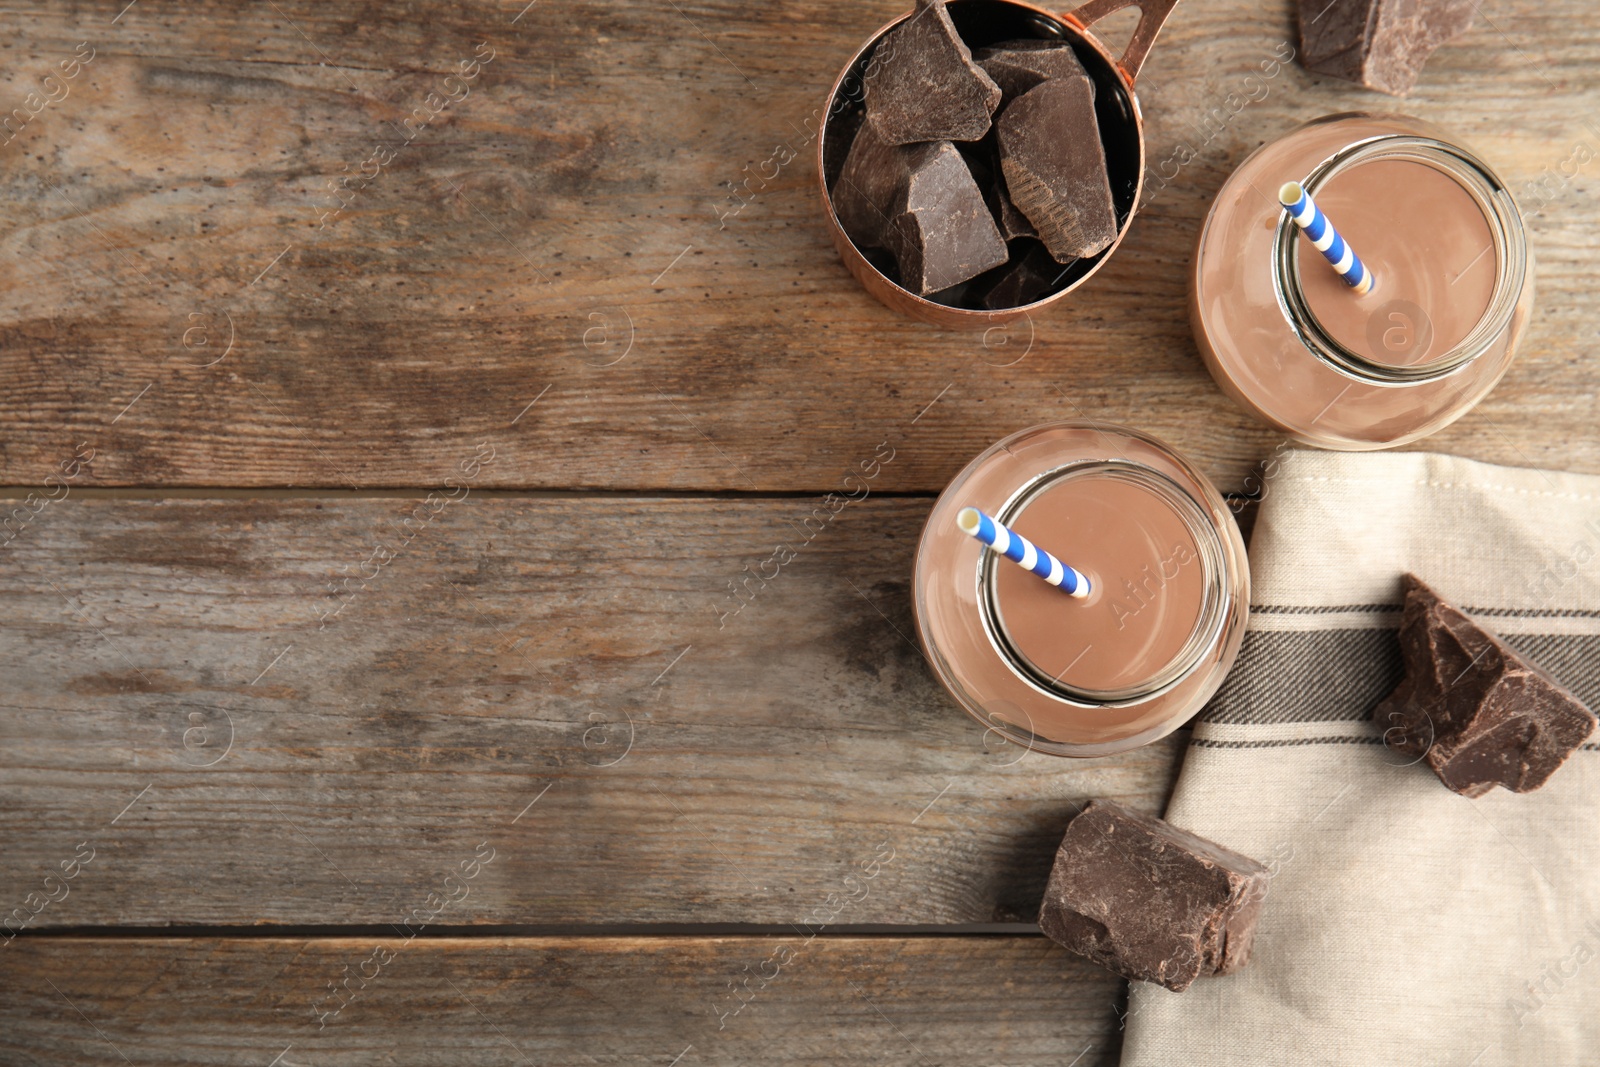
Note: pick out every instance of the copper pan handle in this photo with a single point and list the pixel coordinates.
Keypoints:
(1152, 16)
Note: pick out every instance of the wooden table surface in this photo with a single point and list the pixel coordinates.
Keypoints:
(391, 453)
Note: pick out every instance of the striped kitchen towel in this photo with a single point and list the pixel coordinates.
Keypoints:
(1404, 924)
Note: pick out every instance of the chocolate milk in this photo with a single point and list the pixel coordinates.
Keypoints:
(1146, 585)
(1427, 243)
(1293, 345)
(1135, 659)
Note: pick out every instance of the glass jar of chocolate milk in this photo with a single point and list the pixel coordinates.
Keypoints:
(1169, 591)
(1291, 342)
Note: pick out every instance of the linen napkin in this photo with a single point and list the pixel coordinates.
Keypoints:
(1404, 924)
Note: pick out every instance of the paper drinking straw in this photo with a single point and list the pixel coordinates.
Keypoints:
(1309, 217)
(1019, 549)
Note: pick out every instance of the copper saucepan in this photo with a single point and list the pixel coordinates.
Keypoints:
(982, 23)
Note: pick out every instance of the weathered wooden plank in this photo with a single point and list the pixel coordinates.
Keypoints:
(185, 697)
(566, 231)
(845, 1000)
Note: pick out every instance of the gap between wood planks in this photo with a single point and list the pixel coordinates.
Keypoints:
(535, 930)
(1243, 503)
(20, 492)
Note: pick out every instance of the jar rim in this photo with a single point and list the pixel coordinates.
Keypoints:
(1506, 227)
(1210, 620)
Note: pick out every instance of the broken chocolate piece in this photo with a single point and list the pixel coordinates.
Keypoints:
(1017, 66)
(839, 138)
(1478, 712)
(922, 84)
(1149, 901)
(867, 191)
(944, 233)
(921, 202)
(955, 296)
(1381, 44)
(1012, 222)
(1055, 167)
(983, 159)
(1031, 275)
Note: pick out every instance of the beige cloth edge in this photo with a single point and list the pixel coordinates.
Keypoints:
(1300, 554)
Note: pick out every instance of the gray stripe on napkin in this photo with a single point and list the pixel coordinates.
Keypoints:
(1341, 675)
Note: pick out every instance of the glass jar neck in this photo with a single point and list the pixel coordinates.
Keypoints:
(1510, 246)
(1211, 617)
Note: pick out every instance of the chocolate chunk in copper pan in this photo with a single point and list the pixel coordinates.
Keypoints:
(1381, 44)
(1012, 222)
(922, 84)
(944, 234)
(1476, 711)
(1151, 902)
(1017, 66)
(840, 138)
(1031, 275)
(957, 296)
(870, 185)
(1055, 167)
(983, 158)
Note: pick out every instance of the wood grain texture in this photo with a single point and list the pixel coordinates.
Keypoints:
(174, 699)
(1005, 1001)
(566, 232)
(548, 709)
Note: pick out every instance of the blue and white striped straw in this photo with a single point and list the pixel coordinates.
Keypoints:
(1019, 549)
(1309, 217)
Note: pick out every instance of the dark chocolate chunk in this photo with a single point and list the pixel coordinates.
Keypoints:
(1012, 223)
(1478, 712)
(867, 191)
(1381, 44)
(955, 296)
(881, 261)
(1055, 167)
(1031, 275)
(983, 159)
(1151, 902)
(840, 137)
(922, 84)
(944, 233)
(1017, 66)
